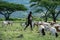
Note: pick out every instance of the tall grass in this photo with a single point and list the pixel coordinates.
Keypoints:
(16, 32)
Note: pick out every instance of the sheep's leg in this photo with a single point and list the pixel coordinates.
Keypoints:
(56, 34)
(43, 32)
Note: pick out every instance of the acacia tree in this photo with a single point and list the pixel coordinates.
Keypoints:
(42, 4)
(6, 9)
(54, 5)
(48, 5)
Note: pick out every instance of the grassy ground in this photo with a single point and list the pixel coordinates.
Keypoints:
(16, 32)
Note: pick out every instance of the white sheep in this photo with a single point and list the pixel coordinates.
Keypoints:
(4, 23)
(42, 29)
(53, 31)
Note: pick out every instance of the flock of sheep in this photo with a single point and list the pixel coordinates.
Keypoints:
(51, 27)
(43, 26)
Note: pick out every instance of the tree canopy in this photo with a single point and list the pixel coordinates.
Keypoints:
(49, 5)
(12, 6)
(7, 9)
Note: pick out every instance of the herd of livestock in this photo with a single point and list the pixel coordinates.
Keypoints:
(51, 27)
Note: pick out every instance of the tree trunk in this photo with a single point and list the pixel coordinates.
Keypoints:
(7, 17)
(46, 18)
(53, 17)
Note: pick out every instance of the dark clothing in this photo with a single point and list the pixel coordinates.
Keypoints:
(29, 22)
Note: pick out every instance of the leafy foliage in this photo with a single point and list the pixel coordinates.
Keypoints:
(6, 8)
(12, 6)
(49, 5)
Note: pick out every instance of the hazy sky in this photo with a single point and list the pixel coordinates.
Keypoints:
(24, 2)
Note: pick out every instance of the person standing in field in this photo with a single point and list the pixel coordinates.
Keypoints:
(29, 21)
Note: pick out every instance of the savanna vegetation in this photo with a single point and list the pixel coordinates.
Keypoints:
(16, 32)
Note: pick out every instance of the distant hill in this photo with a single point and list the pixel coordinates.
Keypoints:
(21, 14)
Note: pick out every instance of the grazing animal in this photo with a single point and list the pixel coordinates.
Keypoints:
(37, 23)
(51, 28)
(53, 31)
(23, 24)
(46, 26)
(7, 23)
(57, 26)
(10, 22)
(42, 29)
